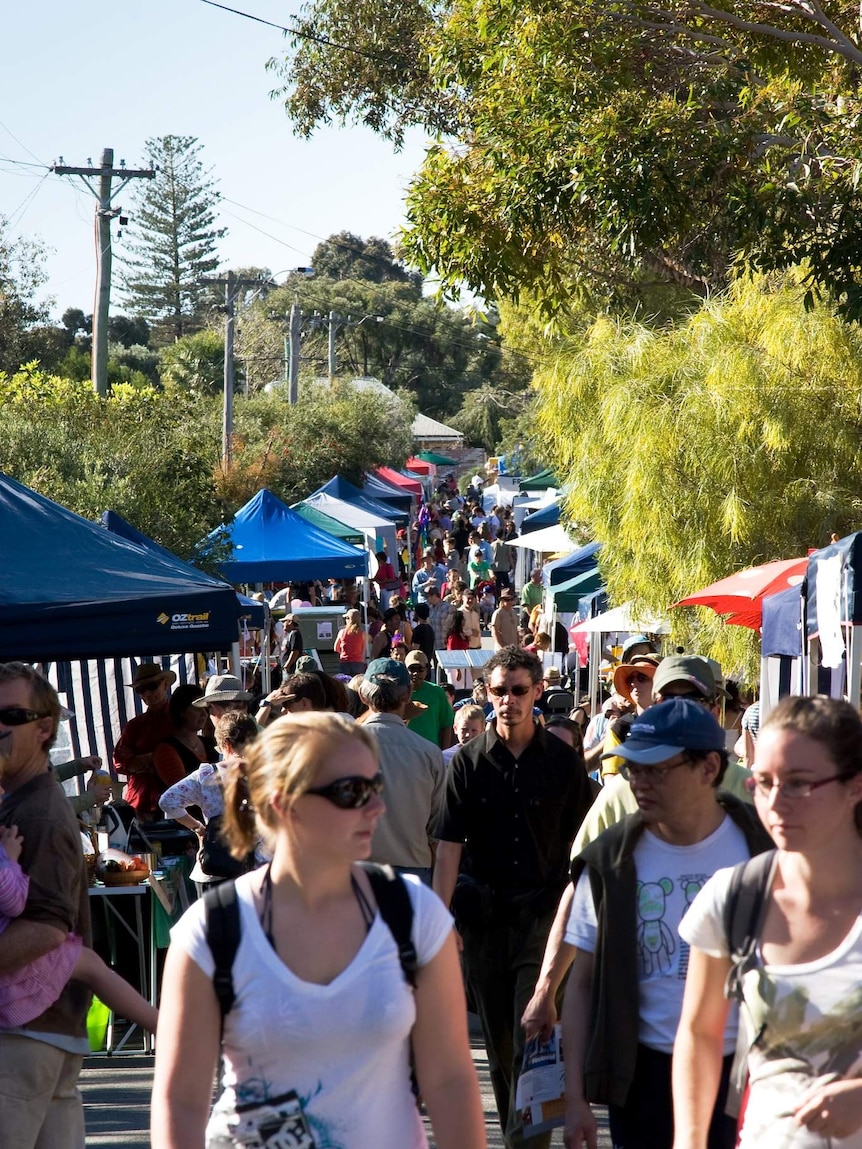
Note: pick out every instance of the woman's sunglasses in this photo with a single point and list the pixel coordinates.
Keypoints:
(19, 716)
(637, 680)
(350, 793)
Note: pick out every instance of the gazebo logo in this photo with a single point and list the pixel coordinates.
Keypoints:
(162, 618)
(185, 621)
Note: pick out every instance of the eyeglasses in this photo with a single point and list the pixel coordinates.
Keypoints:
(637, 771)
(637, 679)
(792, 788)
(350, 793)
(149, 688)
(19, 716)
(502, 691)
(416, 668)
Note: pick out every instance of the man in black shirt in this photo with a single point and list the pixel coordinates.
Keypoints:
(513, 801)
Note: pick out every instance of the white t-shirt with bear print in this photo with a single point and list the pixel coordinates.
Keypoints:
(669, 879)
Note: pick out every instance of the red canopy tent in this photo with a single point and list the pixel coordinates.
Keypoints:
(413, 486)
(420, 466)
(740, 596)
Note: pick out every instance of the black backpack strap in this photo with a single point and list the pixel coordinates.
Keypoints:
(746, 903)
(744, 912)
(223, 931)
(396, 909)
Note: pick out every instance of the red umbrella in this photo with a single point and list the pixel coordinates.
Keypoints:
(741, 595)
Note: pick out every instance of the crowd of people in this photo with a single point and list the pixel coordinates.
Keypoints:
(665, 877)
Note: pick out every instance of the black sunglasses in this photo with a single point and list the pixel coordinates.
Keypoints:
(350, 793)
(502, 691)
(19, 716)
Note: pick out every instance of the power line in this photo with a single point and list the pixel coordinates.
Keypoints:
(323, 40)
(21, 210)
(21, 144)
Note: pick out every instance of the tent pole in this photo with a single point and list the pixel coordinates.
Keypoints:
(235, 665)
(265, 677)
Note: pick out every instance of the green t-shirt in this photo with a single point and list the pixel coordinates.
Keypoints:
(531, 595)
(438, 717)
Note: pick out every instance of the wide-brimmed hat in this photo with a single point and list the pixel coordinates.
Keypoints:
(552, 674)
(149, 673)
(642, 663)
(223, 688)
(662, 731)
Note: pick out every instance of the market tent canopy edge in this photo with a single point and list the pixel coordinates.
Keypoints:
(70, 589)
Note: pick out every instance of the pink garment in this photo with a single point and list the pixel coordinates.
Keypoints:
(26, 993)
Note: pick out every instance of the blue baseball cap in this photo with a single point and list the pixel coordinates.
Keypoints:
(665, 729)
(387, 668)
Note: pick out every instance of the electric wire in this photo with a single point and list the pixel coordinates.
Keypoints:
(323, 40)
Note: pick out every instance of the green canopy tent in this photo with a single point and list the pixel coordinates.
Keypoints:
(540, 481)
(327, 523)
(437, 460)
(567, 595)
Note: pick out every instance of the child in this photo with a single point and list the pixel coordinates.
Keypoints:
(27, 992)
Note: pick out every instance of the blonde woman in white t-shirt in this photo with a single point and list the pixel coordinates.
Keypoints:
(323, 1021)
(802, 995)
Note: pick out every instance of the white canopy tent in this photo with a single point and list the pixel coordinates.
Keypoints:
(548, 540)
(619, 619)
(377, 530)
(623, 618)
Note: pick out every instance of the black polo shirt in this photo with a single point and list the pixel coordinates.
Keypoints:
(516, 818)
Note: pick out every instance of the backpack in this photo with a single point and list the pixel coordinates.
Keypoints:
(744, 913)
(223, 927)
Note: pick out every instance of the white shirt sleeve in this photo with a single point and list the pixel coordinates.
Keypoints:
(583, 925)
(703, 924)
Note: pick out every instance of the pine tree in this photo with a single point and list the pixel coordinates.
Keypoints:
(176, 241)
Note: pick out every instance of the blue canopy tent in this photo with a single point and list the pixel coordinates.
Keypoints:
(343, 489)
(271, 542)
(246, 607)
(72, 590)
(565, 569)
(381, 490)
(546, 517)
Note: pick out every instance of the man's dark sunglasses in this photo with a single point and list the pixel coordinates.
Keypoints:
(502, 691)
(350, 793)
(19, 716)
(148, 688)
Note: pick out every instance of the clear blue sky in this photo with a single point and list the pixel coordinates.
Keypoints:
(79, 77)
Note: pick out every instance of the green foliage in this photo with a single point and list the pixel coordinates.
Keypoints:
(149, 455)
(387, 330)
(348, 256)
(616, 153)
(154, 455)
(484, 412)
(174, 244)
(21, 275)
(336, 430)
(730, 441)
(376, 74)
(195, 363)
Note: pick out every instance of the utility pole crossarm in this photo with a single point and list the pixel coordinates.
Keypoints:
(106, 172)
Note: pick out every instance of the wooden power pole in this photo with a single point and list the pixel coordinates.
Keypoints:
(106, 173)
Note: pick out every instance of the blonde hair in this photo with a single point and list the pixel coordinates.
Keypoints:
(467, 714)
(283, 762)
